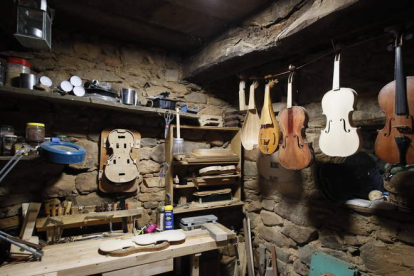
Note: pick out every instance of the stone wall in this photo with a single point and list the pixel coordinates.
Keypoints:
(149, 71)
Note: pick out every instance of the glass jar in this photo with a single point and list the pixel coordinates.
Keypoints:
(16, 66)
(35, 132)
(5, 130)
(8, 144)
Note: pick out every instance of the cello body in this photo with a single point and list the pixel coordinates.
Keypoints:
(394, 142)
(269, 133)
(386, 147)
(294, 152)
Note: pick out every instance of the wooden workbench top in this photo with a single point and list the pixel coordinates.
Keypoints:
(82, 258)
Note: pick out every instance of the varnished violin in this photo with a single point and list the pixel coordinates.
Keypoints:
(339, 138)
(269, 133)
(394, 142)
(294, 152)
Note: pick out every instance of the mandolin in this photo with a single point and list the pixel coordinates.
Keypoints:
(394, 142)
(339, 138)
(250, 130)
(269, 134)
(294, 152)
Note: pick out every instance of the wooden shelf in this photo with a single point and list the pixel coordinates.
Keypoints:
(85, 101)
(181, 210)
(208, 128)
(24, 158)
(185, 163)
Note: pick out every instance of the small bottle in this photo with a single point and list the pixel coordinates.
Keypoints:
(168, 218)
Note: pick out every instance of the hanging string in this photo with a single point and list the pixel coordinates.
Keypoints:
(273, 76)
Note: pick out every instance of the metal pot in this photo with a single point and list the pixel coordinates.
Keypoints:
(27, 80)
(129, 96)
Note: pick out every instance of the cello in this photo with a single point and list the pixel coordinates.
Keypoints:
(394, 143)
(269, 134)
(339, 138)
(294, 152)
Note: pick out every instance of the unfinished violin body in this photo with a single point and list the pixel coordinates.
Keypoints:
(294, 152)
(269, 133)
(120, 167)
(394, 142)
(339, 138)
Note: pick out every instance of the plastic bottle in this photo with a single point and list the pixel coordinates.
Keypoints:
(168, 217)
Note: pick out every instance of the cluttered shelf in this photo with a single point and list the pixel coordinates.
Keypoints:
(186, 209)
(27, 158)
(210, 180)
(85, 101)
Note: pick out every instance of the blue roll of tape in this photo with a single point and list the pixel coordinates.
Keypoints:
(63, 152)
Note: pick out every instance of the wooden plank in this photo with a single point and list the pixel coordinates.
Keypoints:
(261, 41)
(144, 270)
(195, 265)
(82, 258)
(216, 233)
(30, 220)
(207, 207)
(249, 250)
(85, 219)
(9, 222)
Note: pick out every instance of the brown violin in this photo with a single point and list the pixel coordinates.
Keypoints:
(394, 142)
(294, 152)
(269, 133)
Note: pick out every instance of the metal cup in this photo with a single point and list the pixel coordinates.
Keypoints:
(27, 80)
(129, 96)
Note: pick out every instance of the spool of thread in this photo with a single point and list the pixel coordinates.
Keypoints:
(151, 228)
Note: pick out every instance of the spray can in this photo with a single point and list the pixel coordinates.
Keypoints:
(168, 217)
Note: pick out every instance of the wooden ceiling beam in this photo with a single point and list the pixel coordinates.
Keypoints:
(294, 28)
(72, 15)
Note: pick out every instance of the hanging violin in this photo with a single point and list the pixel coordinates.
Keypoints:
(294, 152)
(394, 142)
(269, 134)
(339, 138)
(251, 127)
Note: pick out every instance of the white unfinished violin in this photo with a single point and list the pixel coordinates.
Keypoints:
(340, 137)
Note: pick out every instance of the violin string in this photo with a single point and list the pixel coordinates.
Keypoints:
(269, 77)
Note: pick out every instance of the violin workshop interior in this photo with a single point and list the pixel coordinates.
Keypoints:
(205, 137)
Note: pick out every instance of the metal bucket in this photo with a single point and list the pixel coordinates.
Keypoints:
(129, 96)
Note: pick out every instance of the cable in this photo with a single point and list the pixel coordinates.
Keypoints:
(268, 77)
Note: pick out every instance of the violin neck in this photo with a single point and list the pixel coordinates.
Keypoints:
(401, 105)
(289, 92)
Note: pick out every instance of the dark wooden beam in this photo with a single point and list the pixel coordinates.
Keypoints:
(292, 27)
(75, 16)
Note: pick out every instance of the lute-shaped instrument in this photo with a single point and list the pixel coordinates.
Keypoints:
(269, 134)
(250, 130)
(294, 152)
(394, 142)
(339, 138)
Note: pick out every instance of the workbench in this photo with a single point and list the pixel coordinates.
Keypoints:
(82, 258)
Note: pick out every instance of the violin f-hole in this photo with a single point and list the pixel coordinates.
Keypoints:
(328, 126)
(346, 130)
(298, 141)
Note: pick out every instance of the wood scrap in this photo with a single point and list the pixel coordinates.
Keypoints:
(132, 248)
(30, 220)
(9, 222)
(274, 260)
(216, 232)
(211, 120)
(249, 249)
